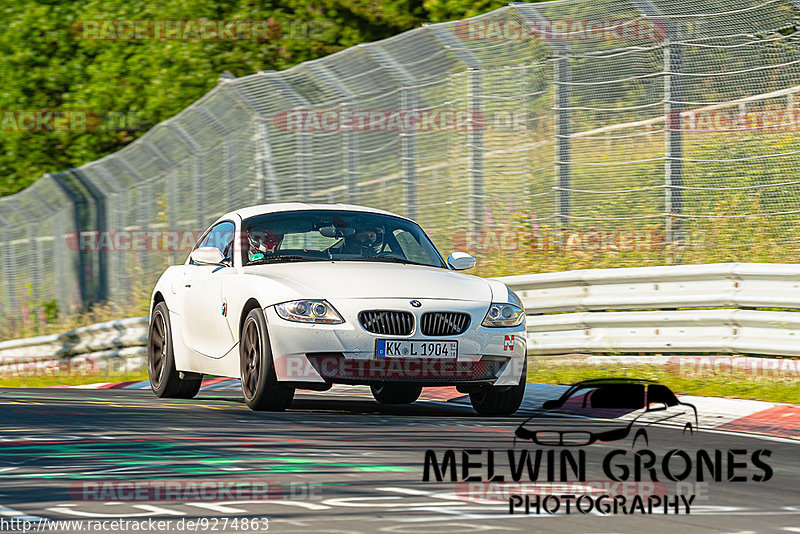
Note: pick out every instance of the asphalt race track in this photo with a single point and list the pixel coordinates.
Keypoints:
(332, 463)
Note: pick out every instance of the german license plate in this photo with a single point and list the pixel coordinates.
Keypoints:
(405, 348)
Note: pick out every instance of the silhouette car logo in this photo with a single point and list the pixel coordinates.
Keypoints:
(607, 409)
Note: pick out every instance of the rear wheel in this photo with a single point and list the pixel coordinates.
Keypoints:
(388, 393)
(165, 380)
(260, 386)
(492, 400)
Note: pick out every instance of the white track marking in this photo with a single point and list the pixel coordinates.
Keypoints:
(5, 511)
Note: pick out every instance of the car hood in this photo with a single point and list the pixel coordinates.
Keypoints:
(342, 280)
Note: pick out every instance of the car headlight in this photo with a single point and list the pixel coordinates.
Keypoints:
(308, 311)
(505, 314)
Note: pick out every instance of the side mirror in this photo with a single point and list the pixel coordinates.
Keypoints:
(549, 405)
(207, 256)
(655, 406)
(461, 261)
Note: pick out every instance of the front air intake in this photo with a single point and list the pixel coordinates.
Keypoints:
(387, 322)
(444, 323)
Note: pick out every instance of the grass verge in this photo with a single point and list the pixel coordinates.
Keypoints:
(731, 384)
(69, 379)
(734, 384)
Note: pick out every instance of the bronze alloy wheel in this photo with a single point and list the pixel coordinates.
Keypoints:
(251, 353)
(157, 348)
(260, 386)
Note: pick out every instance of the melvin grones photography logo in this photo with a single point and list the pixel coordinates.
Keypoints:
(560, 461)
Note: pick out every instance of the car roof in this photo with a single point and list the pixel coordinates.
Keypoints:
(262, 209)
(595, 382)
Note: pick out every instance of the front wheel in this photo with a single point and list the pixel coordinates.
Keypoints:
(395, 393)
(165, 380)
(260, 386)
(487, 400)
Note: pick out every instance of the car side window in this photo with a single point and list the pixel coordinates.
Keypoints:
(661, 393)
(222, 237)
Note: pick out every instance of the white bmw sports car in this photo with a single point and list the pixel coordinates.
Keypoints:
(288, 296)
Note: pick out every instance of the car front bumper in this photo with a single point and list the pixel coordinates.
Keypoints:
(346, 353)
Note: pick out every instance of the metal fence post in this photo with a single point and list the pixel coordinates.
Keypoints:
(408, 153)
(563, 115)
(349, 136)
(265, 170)
(673, 142)
(475, 145)
(197, 172)
(408, 140)
(673, 162)
(80, 221)
(98, 267)
(477, 122)
(303, 143)
(563, 131)
(350, 157)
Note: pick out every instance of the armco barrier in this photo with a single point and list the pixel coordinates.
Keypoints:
(114, 346)
(656, 322)
(631, 310)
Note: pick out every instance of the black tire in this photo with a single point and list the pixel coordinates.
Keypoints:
(165, 380)
(260, 386)
(395, 393)
(486, 400)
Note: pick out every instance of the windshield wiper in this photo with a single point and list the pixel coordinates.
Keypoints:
(394, 259)
(282, 259)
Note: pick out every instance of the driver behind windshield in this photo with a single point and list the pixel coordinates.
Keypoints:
(262, 243)
(366, 242)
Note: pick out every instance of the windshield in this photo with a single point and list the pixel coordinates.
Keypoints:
(336, 235)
